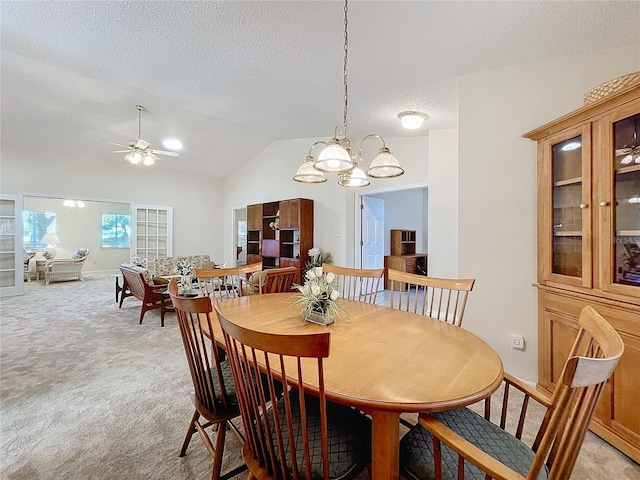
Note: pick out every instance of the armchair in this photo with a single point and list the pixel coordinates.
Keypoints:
(67, 268)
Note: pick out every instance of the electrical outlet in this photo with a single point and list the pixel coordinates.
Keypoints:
(517, 342)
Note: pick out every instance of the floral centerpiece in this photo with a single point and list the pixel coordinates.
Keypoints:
(318, 297)
(47, 255)
(185, 270)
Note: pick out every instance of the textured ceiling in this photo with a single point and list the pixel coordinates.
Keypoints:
(230, 77)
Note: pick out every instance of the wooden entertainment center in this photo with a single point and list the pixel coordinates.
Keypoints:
(279, 234)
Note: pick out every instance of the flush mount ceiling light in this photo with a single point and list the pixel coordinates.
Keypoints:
(570, 146)
(338, 156)
(73, 203)
(412, 120)
(172, 144)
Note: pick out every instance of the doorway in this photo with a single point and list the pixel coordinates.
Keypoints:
(240, 235)
(403, 209)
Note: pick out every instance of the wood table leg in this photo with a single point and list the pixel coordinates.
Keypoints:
(385, 444)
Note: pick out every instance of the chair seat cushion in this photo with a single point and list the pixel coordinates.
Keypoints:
(416, 448)
(349, 434)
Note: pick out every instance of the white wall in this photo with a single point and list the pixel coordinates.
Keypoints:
(268, 177)
(497, 187)
(405, 210)
(443, 203)
(197, 201)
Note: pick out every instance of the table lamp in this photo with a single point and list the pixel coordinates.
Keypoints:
(51, 239)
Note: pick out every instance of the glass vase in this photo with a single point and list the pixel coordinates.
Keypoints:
(184, 285)
(320, 318)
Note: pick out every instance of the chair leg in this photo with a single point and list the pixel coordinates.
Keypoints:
(190, 432)
(217, 459)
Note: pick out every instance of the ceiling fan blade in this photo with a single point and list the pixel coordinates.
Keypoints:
(164, 152)
(142, 144)
(121, 151)
(152, 155)
(623, 151)
(111, 143)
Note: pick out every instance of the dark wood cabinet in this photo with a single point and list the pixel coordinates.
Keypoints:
(415, 263)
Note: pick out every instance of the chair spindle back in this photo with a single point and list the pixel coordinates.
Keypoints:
(441, 298)
(357, 284)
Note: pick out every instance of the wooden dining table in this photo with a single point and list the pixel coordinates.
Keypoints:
(384, 362)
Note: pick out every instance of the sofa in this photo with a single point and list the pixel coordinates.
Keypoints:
(66, 268)
(166, 266)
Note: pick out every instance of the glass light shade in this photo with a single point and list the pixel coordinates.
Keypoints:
(385, 165)
(355, 178)
(80, 204)
(412, 120)
(308, 174)
(334, 159)
(148, 160)
(69, 203)
(133, 157)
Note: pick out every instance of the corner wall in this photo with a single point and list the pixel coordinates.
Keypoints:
(497, 187)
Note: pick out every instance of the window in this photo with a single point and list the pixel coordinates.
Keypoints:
(35, 225)
(115, 230)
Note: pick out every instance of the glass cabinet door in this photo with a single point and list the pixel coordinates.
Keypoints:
(568, 160)
(620, 204)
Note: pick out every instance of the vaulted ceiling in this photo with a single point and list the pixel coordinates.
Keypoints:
(230, 77)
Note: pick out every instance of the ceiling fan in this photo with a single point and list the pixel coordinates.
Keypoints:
(139, 152)
(631, 155)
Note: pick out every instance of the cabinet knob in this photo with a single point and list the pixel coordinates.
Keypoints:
(584, 205)
(604, 204)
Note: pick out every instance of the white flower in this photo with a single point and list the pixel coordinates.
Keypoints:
(330, 277)
(317, 271)
(310, 275)
(315, 289)
(313, 253)
(305, 290)
(334, 295)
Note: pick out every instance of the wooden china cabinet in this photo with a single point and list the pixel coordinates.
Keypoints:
(589, 247)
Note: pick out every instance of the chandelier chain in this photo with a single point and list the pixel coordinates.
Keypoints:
(345, 71)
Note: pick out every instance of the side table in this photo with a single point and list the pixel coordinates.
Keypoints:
(40, 264)
(170, 308)
(119, 288)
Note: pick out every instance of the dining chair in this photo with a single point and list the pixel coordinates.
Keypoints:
(357, 284)
(279, 280)
(225, 283)
(302, 436)
(475, 447)
(441, 298)
(214, 393)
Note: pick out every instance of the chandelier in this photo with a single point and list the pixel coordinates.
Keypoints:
(338, 155)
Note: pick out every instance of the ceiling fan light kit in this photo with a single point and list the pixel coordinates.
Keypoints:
(338, 156)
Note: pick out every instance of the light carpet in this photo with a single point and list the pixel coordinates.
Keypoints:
(86, 392)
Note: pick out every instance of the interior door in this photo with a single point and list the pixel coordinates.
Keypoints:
(11, 251)
(151, 233)
(371, 232)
